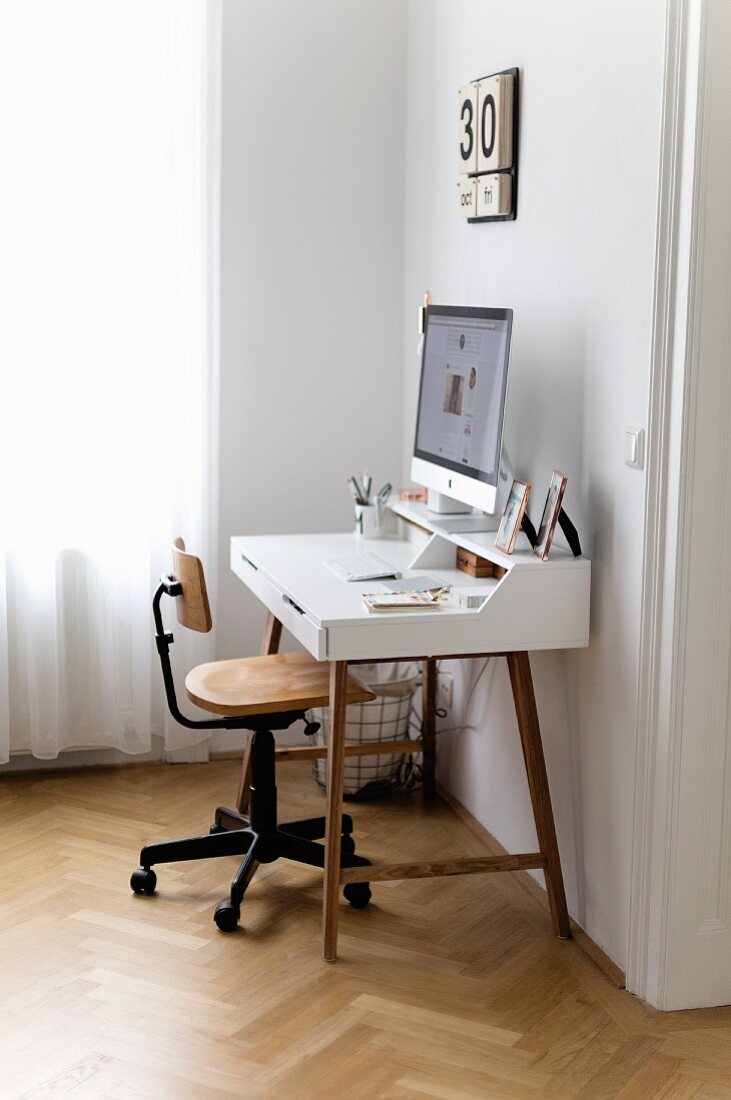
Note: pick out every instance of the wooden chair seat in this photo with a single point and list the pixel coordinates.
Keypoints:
(261, 685)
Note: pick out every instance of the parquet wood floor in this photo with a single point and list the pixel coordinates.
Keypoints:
(451, 988)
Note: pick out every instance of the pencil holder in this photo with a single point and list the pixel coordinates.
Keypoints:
(371, 521)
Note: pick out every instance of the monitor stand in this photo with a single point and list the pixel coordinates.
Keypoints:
(442, 505)
(452, 516)
(467, 523)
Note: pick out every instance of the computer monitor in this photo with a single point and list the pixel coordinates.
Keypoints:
(459, 423)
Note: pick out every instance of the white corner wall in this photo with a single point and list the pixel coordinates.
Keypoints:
(577, 268)
(311, 270)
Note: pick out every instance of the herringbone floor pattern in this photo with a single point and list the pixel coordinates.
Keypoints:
(451, 988)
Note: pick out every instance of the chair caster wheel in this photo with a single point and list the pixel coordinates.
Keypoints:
(358, 894)
(143, 881)
(227, 916)
(347, 845)
(216, 829)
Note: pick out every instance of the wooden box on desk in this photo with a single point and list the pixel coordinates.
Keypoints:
(475, 566)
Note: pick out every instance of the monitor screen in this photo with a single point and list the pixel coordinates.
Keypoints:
(464, 378)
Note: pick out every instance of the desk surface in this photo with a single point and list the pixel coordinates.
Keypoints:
(326, 597)
(536, 605)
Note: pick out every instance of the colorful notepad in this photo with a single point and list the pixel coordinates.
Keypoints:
(401, 601)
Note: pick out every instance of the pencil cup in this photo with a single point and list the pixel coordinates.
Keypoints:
(370, 521)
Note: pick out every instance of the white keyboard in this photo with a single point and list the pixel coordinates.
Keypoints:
(362, 567)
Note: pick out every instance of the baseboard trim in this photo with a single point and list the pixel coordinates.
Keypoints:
(580, 936)
(79, 759)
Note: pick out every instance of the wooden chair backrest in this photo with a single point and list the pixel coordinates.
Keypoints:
(193, 608)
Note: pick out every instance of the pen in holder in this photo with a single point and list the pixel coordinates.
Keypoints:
(369, 520)
(372, 518)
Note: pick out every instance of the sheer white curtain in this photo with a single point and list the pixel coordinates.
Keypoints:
(108, 360)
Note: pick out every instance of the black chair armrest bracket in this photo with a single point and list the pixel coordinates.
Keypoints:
(169, 586)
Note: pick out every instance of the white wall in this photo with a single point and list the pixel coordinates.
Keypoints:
(311, 270)
(577, 268)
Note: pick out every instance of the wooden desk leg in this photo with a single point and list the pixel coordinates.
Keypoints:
(429, 728)
(335, 768)
(535, 766)
(272, 635)
(269, 644)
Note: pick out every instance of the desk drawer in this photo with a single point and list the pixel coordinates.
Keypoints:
(308, 633)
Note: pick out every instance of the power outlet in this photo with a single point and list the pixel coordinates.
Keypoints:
(445, 690)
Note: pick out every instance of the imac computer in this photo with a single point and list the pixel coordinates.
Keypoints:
(459, 423)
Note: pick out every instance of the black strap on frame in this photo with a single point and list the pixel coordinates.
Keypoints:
(530, 530)
(570, 533)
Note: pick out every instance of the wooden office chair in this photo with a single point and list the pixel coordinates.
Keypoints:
(259, 694)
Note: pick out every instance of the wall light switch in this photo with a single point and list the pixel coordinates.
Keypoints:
(634, 448)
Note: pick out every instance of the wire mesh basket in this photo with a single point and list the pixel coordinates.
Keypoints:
(385, 718)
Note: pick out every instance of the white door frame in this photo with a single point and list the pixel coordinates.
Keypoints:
(679, 935)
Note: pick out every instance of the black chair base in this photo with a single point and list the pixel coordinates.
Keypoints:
(258, 838)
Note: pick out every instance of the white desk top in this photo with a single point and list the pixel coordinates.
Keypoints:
(534, 606)
(325, 597)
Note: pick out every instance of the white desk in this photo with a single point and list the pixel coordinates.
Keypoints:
(534, 605)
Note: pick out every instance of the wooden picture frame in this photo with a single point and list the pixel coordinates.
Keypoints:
(512, 517)
(551, 512)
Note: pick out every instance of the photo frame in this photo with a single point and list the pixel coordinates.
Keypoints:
(512, 516)
(551, 512)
